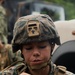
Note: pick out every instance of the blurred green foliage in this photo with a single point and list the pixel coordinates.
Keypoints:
(69, 6)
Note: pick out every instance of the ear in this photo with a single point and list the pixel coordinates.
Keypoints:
(52, 47)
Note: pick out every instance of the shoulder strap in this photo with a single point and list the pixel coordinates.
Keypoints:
(15, 69)
(60, 70)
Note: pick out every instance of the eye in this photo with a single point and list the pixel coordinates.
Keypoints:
(28, 48)
(41, 47)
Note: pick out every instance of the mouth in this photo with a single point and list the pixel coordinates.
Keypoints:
(36, 62)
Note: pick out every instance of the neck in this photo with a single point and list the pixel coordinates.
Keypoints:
(42, 71)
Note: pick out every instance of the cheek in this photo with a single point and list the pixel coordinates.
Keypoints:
(26, 55)
(47, 54)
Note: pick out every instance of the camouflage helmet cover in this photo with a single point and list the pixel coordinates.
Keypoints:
(34, 28)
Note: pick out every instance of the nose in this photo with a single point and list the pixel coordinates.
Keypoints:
(36, 52)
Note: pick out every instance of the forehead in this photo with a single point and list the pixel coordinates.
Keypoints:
(39, 42)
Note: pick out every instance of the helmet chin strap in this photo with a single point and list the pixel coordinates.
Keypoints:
(40, 66)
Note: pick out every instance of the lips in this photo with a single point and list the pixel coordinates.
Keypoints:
(36, 62)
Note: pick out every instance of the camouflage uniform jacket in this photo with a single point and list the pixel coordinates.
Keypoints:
(3, 25)
(57, 70)
(3, 22)
(20, 67)
(7, 57)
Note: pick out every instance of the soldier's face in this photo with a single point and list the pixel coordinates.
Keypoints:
(36, 53)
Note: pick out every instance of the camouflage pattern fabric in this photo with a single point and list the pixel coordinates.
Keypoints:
(38, 19)
(17, 70)
(3, 38)
(4, 58)
(7, 57)
(3, 25)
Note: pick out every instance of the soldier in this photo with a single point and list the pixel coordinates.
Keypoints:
(3, 37)
(36, 36)
(7, 57)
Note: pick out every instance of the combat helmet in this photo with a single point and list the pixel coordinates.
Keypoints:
(33, 28)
